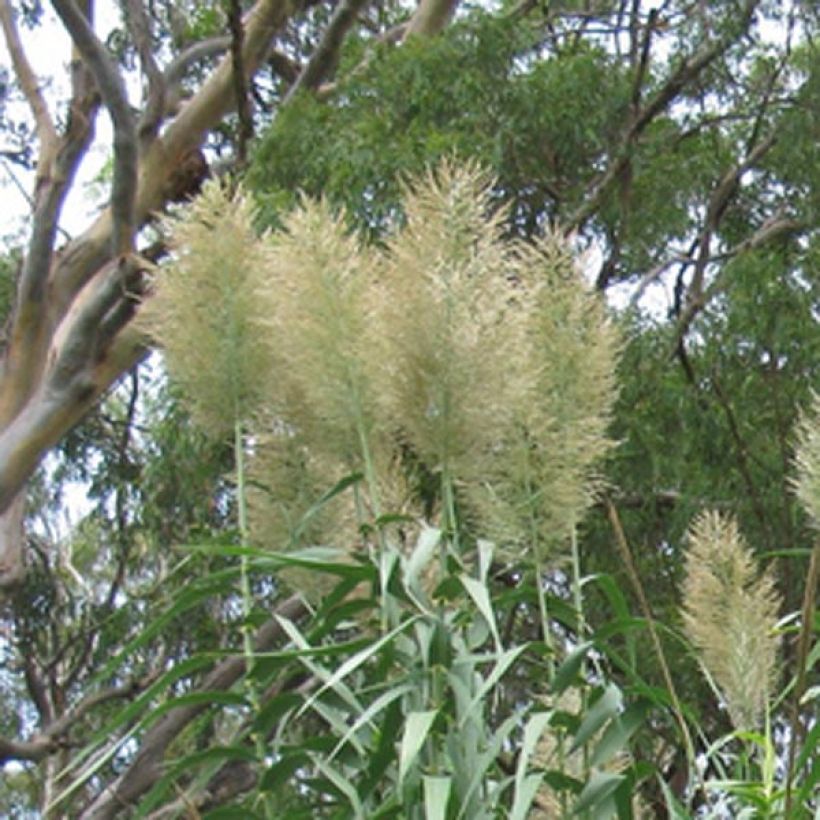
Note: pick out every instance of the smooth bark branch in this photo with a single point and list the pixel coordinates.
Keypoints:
(177, 68)
(12, 543)
(431, 17)
(324, 57)
(82, 258)
(140, 29)
(112, 89)
(35, 412)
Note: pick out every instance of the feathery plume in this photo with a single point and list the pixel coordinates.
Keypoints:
(729, 614)
(542, 480)
(445, 337)
(287, 478)
(203, 311)
(807, 461)
(317, 322)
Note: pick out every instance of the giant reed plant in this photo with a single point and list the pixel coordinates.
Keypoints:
(448, 352)
(462, 380)
(204, 315)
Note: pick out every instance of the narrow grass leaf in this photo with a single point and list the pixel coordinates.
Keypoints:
(315, 509)
(502, 665)
(485, 558)
(343, 785)
(524, 789)
(524, 795)
(488, 758)
(481, 598)
(436, 796)
(416, 729)
(567, 672)
(420, 557)
(598, 789)
(606, 707)
(616, 736)
(367, 716)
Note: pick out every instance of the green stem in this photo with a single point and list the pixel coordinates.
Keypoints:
(245, 588)
(532, 496)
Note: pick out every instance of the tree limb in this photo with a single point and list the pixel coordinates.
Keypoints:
(202, 50)
(112, 89)
(147, 768)
(687, 71)
(240, 83)
(431, 17)
(718, 202)
(46, 132)
(139, 27)
(52, 737)
(324, 57)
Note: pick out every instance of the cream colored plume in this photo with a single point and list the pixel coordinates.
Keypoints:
(204, 312)
(730, 614)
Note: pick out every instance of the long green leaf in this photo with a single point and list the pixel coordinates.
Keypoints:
(598, 789)
(379, 704)
(606, 707)
(502, 665)
(315, 509)
(486, 759)
(343, 785)
(616, 736)
(416, 728)
(436, 796)
(524, 789)
(567, 672)
(481, 597)
(525, 792)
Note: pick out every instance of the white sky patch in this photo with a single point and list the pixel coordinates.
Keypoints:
(48, 48)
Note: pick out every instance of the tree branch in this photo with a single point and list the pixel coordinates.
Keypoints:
(52, 738)
(716, 208)
(177, 68)
(324, 57)
(240, 84)
(431, 17)
(688, 70)
(139, 27)
(146, 768)
(46, 132)
(112, 89)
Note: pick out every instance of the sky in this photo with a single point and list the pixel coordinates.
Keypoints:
(48, 50)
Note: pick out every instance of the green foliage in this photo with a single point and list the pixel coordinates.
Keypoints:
(473, 92)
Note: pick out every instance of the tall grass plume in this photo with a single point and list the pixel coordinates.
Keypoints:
(204, 312)
(730, 612)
